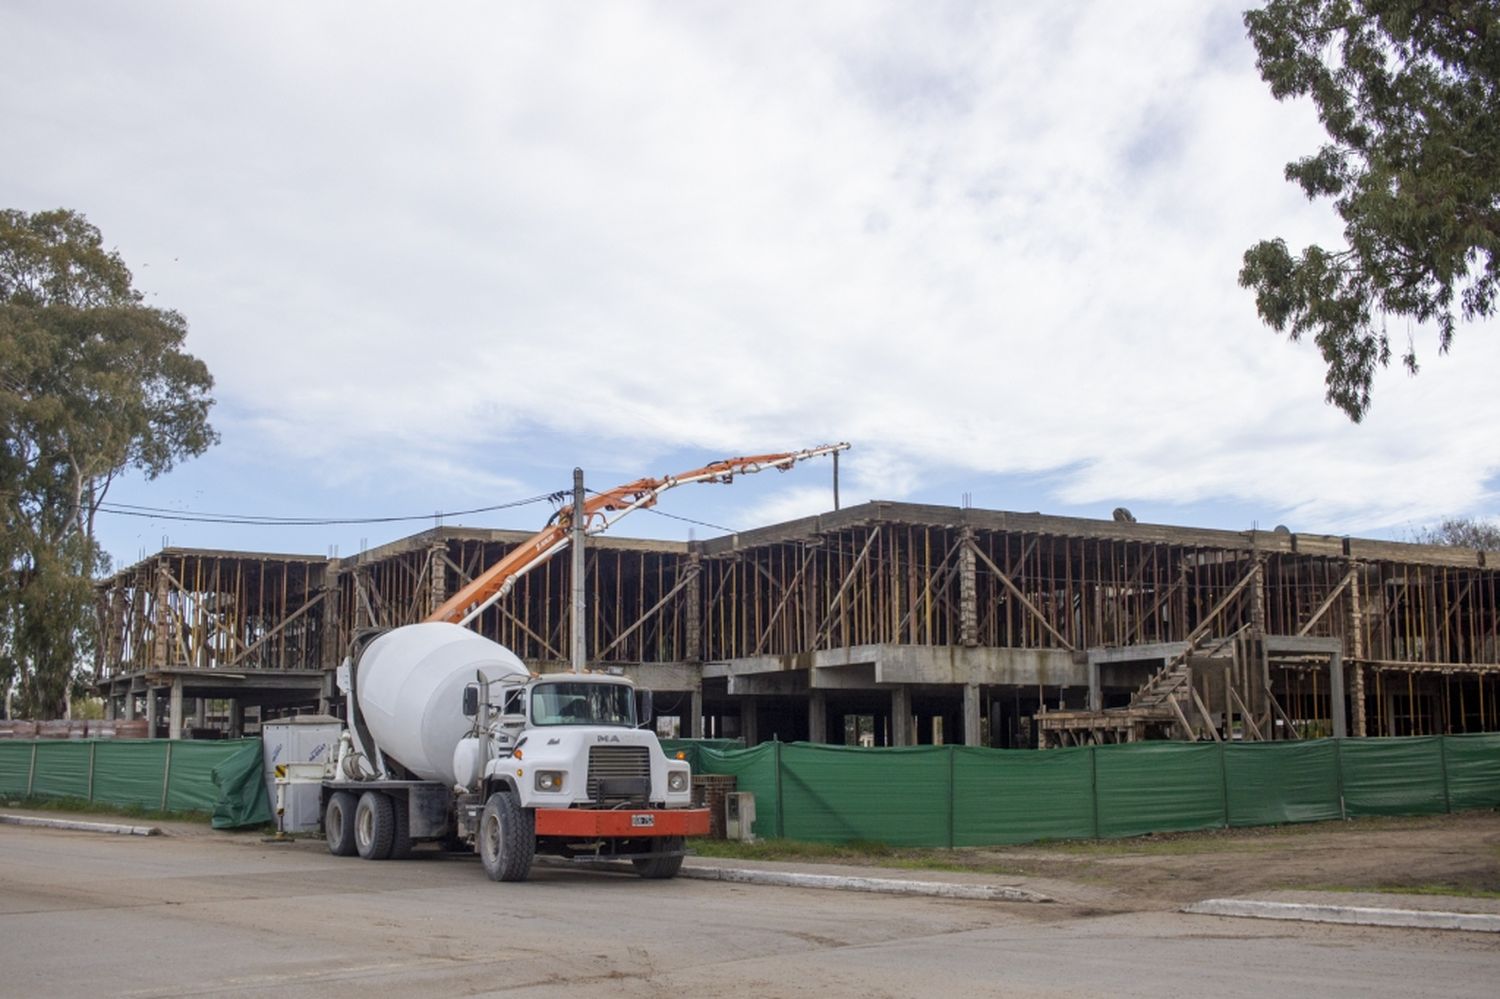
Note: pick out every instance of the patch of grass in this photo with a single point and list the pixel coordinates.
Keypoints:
(863, 853)
(103, 808)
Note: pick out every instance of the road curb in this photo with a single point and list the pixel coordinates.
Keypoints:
(884, 886)
(1358, 915)
(79, 826)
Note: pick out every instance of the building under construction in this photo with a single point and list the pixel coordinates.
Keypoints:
(881, 624)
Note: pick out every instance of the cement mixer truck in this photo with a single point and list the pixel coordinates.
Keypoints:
(450, 738)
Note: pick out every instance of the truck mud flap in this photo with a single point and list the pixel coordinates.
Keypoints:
(594, 823)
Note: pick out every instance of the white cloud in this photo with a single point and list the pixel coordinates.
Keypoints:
(975, 240)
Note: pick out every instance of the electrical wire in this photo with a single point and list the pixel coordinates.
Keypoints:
(672, 516)
(259, 520)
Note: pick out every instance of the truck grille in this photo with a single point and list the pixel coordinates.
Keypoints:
(617, 761)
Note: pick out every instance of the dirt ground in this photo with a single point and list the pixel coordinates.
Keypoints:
(1448, 854)
(1440, 855)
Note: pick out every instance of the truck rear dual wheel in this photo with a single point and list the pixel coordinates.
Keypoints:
(661, 868)
(338, 823)
(507, 838)
(374, 826)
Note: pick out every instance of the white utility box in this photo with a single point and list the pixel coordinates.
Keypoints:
(303, 739)
(739, 816)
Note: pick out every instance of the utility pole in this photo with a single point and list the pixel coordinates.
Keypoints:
(580, 649)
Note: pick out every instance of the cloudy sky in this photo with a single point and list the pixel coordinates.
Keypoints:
(437, 255)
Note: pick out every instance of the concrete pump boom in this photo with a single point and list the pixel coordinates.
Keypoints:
(495, 582)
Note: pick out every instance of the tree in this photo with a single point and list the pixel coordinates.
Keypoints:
(93, 383)
(1409, 93)
(1461, 532)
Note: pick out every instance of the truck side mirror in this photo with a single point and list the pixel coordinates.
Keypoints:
(471, 701)
(644, 708)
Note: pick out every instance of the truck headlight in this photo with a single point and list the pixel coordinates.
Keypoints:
(549, 780)
(677, 780)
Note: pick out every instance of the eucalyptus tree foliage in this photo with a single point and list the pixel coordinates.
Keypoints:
(1462, 532)
(93, 382)
(1409, 94)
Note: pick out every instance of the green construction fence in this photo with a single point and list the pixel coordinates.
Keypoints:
(948, 796)
(223, 778)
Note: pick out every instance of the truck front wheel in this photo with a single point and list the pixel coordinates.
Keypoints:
(338, 824)
(507, 838)
(661, 868)
(374, 826)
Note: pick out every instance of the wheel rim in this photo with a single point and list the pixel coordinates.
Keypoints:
(492, 836)
(364, 826)
(336, 823)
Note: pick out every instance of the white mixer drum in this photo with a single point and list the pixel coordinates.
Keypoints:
(410, 686)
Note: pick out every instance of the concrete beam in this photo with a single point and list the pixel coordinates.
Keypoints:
(925, 664)
(1135, 653)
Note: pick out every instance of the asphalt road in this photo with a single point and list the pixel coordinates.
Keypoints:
(86, 914)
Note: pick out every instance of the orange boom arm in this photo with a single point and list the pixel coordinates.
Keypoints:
(497, 581)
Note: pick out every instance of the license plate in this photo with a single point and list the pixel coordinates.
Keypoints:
(642, 821)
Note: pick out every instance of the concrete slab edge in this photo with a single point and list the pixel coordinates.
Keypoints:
(886, 886)
(79, 826)
(1358, 915)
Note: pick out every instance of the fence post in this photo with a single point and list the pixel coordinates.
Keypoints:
(31, 774)
(166, 776)
(780, 809)
(92, 746)
(952, 795)
(1094, 785)
(1224, 782)
(1338, 773)
(1443, 759)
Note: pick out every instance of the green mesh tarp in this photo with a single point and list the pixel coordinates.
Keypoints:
(1021, 795)
(1158, 787)
(1270, 783)
(130, 772)
(219, 777)
(241, 796)
(62, 769)
(15, 766)
(1472, 763)
(754, 771)
(1393, 776)
(691, 749)
(842, 793)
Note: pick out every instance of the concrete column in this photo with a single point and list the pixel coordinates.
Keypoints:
(902, 733)
(971, 715)
(695, 713)
(129, 712)
(200, 712)
(693, 600)
(1096, 686)
(817, 716)
(109, 707)
(174, 710)
(150, 712)
(163, 618)
(437, 577)
(1336, 703)
(968, 593)
(748, 722)
(1357, 653)
(236, 718)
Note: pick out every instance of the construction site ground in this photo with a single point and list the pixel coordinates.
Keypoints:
(1419, 862)
(197, 912)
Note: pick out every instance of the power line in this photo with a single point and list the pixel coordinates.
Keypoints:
(265, 520)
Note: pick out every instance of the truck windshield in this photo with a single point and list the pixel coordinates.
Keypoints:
(583, 704)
